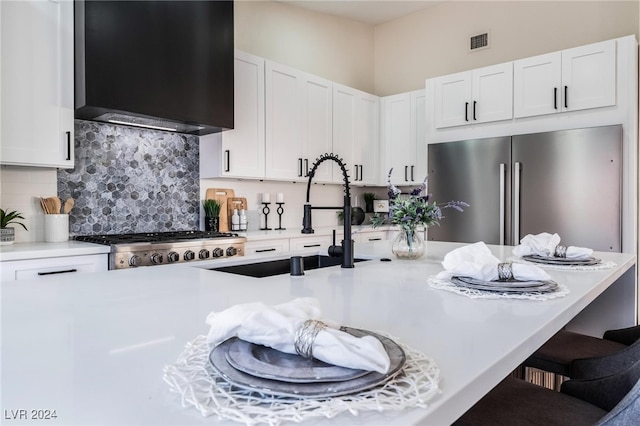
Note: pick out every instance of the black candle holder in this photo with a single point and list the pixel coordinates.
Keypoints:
(280, 210)
(265, 211)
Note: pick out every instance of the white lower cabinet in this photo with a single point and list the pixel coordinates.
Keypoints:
(39, 268)
(318, 242)
(266, 246)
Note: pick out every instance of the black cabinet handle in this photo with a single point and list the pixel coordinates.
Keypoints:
(411, 173)
(68, 145)
(300, 167)
(65, 271)
(306, 167)
(406, 168)
(360, 171)
(311, 245)
(375, 239)
(474, 110)
(566, 91)
(466, 111)
(555, 98)
(227, 159)
(357, 170)
(265, 250)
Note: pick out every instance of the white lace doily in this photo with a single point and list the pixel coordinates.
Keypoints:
(200, 386)
(479, 294)
(597, 267)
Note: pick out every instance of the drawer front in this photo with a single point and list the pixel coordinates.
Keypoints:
(369, 237)
(266, 247)
(39, 268)
(310, 243)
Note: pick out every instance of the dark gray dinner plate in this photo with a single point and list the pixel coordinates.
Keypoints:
(269, 363)
(508, 286)
(551, 260)
(219, 362)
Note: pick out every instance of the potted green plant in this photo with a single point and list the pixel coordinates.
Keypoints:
(357, 216)
(8, 234)
(212, 215)
(369, 198)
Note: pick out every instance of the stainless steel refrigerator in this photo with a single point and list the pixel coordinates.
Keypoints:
(567, 182)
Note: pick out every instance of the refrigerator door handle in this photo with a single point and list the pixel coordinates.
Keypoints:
(517, 166)
(503, 168)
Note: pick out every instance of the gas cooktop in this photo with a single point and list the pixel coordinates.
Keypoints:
(157, 248)
(152, 237)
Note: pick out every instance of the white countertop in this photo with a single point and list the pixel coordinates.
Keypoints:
(40, 250)
(93, 347)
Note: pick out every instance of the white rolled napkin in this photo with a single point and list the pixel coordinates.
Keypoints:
(544, 244)
(476, 261)
(276, 327)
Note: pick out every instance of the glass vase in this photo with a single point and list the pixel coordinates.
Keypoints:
(408, 244)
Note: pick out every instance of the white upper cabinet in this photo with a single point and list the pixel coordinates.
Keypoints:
(367, 143)
(37, 102)
(243, 148)
(418, 135)
(589, 76)
(570, 80)
(317, 125)
(396, 134)
(355, 135)
(298, 123)
(403, 132)
(478, 96)
(283, 122)
(344, 130)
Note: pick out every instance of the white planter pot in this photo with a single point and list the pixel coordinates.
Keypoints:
(7, 236)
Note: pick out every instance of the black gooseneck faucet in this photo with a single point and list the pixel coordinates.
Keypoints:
(346, 251)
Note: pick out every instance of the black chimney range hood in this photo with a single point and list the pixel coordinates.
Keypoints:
(164, 65)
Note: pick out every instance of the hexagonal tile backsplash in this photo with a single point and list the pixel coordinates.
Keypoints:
(131, 180)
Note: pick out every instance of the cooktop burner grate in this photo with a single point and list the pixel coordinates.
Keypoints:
(152, 237)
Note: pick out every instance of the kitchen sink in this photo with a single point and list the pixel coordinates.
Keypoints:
(281, 266)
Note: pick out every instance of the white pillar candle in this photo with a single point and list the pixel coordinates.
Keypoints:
(266, 197)
(280, 197)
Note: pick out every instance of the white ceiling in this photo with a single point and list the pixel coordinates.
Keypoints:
(369, 11)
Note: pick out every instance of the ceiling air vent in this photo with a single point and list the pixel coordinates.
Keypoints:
(480, 41)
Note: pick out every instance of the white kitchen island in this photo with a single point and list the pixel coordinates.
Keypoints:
(92, 347)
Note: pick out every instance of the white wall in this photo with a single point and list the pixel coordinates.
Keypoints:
(337, 49)
(435, 41)
(20, 189)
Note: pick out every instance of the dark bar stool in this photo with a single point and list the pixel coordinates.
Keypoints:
(605, 401)
(571, 354)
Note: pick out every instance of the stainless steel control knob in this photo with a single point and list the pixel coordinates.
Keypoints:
(217, 252)
(156, 258)
(204, 254)
(173, 257)
(232, 251)
(189, 255)
(134, 260)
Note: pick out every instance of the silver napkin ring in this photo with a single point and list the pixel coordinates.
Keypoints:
(306, 335)
(560, 251)
(505, 271)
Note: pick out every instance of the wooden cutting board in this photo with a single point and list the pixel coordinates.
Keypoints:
(221, 194)
(235, 203)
